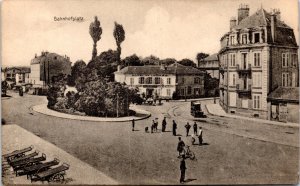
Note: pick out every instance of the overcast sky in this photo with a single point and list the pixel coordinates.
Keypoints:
(177, 29)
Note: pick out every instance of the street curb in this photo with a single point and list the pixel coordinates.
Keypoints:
(296, 125)
(43, 109)
(196, 99)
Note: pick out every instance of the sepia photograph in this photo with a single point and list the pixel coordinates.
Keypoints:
(149, 92)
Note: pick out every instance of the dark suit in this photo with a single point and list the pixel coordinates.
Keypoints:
(174, 128)
(182, 170)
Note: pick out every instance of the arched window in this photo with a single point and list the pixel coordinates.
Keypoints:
(141, 80)
(157, 80)
(149, 80)
(196, 80)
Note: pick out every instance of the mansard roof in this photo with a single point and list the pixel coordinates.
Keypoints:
(288, 94)
(259, 19)
(159, 70)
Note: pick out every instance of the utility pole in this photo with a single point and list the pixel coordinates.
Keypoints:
(48, 73)
(45, 74)
(117, 105)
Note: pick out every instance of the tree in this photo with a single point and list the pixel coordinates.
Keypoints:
(168, 61)
(76, 70)
(210, 85)
(132, 60)
(119, 35)
(200, 56)
(187, 62)
(4, 86)
(151, 60)
(95, 32)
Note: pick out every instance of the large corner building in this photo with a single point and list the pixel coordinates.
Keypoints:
(163, 81)
(258, 61)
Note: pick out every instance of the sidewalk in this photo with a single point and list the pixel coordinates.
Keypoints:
(43, 109)
(79, 173)
(216, 109)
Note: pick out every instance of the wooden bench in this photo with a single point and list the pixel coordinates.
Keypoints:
(20, 165)
(34, 169)
(23, 157)
(17, 153)
(52, 175)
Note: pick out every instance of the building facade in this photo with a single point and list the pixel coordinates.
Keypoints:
(258, 55)
(164, 81)
(46, 66)
(18, 75)
(210, 64)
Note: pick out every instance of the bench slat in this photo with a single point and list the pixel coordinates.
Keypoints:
(24, 162)
(40, 166)
(24, 157)
(52, 171)
(14, 153)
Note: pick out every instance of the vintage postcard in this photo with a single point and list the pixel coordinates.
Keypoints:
(150, 92)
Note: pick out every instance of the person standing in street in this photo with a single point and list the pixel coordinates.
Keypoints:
(164, 124)
(180, 146)
(187, 127)
(200, 135)
(174, 128)
(195, 128)
(182, 170)
(133, 123)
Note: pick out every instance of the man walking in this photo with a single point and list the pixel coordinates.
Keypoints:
(200, 136)
(174, 128)
(187, 127)
(133, 123)
(182, 170)
(195, 128)
(164, 124)
(180, 146)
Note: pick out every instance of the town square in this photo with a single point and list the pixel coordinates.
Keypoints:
(229, 115)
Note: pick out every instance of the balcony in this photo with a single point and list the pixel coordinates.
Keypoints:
(222, 70)
(243, 91)
(243, 69)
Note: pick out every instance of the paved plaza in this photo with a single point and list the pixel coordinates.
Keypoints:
(236, 151)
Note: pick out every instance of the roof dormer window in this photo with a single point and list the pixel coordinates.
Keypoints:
(256, 37)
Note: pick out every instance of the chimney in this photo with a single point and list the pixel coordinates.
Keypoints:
(273, 26)
(277, 13)
(232, 22)
(243, 12)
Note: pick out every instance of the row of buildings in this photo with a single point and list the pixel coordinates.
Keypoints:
(257, 67)
(41, 71)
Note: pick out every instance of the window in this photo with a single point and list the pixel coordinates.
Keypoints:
(256, 37)
(256, 101)
(149, 80)
(285, 79)
(141, 80)
(244, 38)
(182, 92)
(233, 79)
(294, 60)
(168, 92)
(189, 91)
(232, 60)
(157, 80)
(257, 79)
(196, 80)
(285, 59)
(182, 80)
(257, 59)
(169, 81)
(131, 81)
(231, 40)
(244, 61)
